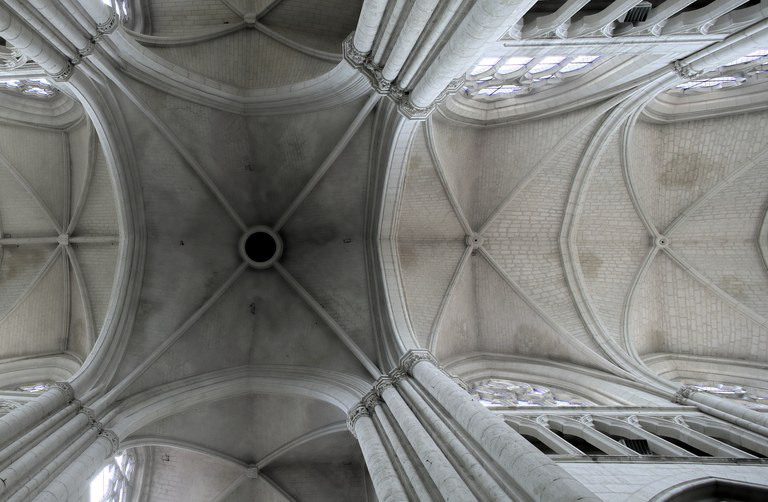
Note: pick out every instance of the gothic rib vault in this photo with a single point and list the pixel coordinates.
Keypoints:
(610, 230)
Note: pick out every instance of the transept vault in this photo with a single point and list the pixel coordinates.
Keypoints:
(293, 250)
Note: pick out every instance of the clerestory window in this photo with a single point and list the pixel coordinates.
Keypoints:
(507, 393)
(36, 87)
(752, 68)
(495, 78)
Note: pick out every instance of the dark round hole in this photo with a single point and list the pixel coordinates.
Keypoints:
(260, 247)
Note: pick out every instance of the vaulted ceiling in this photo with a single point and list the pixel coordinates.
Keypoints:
(240, 113)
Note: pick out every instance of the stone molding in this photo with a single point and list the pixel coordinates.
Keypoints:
(252, 472)
(66, 389)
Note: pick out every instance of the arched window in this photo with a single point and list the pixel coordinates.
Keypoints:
(111, 484)
(751, 68)
(501, 393)
(494, 78)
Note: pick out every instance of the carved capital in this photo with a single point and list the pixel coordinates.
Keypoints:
(66, 389)
(352, 55)
(396, 375)
(684, 71)
(64, 74)
(371, 400)
(113, 439)
(410, 358)
(354, 415)
(88, 49)
(684, 393)
(382, 384)
(109, 25)
(92, 420)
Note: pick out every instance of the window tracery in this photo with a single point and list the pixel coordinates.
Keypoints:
(507, 393)
(37, 87)
(111, 484)
(748, 69)
(494, 78)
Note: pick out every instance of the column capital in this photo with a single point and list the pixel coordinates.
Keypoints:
(412, 357)
(64, 74)
(354, 415)
(66, 389)
(382, 384)
(109, 25)
(112, 438)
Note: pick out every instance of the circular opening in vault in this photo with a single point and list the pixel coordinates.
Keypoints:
(260, 247)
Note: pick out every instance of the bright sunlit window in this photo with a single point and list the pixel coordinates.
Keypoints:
(751, 68)
(37, 87)
(111, 483)
(493, 78)
(495, 393)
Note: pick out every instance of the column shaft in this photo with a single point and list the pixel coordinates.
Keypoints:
(409, 35)
(535, 474)
(415, 473)
(41, 476)
(368, 24)
(28, 416)
(33, 459)
(489, 488)
(385, 480)
(447, 480)
(70, 480)
(30, 43)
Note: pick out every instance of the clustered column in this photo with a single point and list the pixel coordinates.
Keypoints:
(424, 437)
(51, 447)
